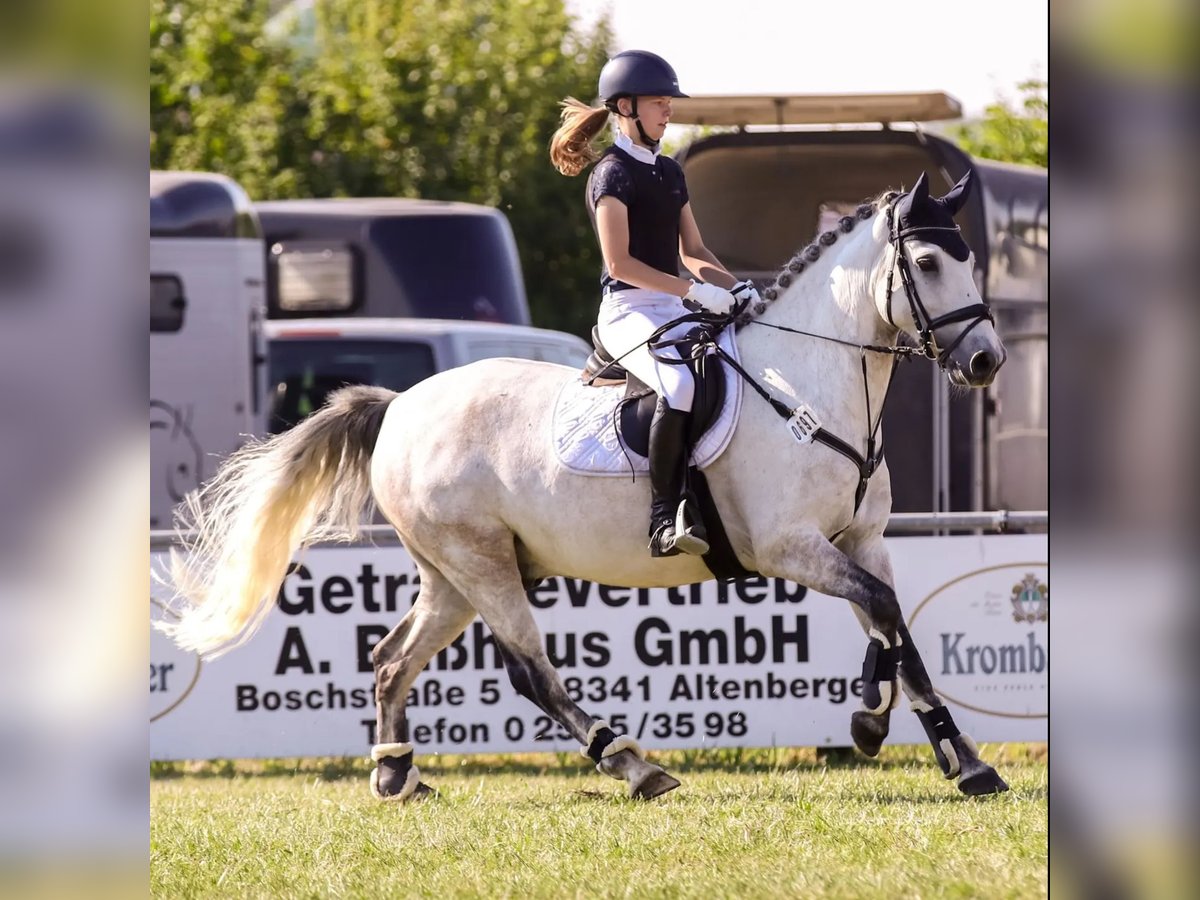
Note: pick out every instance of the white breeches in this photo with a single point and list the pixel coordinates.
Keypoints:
(626, 319)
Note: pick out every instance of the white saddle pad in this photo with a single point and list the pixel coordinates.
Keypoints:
(585, 440)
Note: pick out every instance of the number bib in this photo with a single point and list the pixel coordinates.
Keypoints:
(803, 424)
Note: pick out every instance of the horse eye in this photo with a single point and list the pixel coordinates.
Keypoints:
(927, 264)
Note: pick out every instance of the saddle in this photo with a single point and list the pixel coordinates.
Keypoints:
(636, 408)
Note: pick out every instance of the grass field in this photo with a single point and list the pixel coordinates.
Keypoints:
(765, 823)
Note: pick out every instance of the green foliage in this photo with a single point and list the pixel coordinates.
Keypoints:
(393, 99)
(745, 823)
(1009, 134)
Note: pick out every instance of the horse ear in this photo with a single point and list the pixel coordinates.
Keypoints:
(954, 200)
(920, 191)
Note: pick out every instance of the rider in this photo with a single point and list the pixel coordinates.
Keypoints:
(638, 203)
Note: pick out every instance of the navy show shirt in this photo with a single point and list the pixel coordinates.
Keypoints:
(654, 195)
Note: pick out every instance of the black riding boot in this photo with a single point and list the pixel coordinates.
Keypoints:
(674, 528)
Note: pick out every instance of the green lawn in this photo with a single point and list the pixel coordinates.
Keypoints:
(744, 824)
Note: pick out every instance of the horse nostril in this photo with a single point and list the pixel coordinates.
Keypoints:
(983, 364)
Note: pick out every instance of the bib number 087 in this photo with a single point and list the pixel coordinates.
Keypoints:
(803, 424)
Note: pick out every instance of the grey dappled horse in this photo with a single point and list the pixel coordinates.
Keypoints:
(461, 464)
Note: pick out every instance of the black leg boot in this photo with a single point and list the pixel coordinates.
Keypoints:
(672, 529)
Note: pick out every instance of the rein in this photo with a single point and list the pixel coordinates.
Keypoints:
(927, 326)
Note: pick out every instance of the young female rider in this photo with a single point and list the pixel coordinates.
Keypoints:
(638, 203)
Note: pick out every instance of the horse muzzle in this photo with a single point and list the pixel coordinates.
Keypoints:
(979, 370)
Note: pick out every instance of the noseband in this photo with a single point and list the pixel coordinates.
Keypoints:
(925, 324)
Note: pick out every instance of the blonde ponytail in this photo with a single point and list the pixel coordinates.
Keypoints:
(571, 148)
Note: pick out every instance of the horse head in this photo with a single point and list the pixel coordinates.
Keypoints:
(925, 286)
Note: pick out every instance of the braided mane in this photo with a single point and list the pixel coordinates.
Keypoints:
(811, 253)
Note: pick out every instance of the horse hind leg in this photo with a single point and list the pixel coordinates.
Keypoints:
(484, 569)
(439, 615)
(618, 756)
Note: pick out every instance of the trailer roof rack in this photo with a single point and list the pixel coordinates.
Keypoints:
(814, 109)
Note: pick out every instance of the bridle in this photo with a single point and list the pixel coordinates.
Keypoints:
(926, 325)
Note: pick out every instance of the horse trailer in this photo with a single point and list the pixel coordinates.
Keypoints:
(207, 352)
(791, 166)
(391, 258)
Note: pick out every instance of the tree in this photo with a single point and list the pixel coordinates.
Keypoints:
(216, 90)
(392, 98)
(1008, 134)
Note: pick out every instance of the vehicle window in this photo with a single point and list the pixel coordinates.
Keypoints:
(167, 303)
(455, 267)
(304, 372)
(312, 276)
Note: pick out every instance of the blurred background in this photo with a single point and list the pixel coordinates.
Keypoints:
(1123, 483)
(456, 101)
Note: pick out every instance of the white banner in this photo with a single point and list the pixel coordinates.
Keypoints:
(762, 662)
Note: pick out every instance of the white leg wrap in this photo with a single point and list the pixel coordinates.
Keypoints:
(592, 732)
(948, 749)
(946, 746)
(887, 645)
(410, 784)
(622, 742)
(888, 698)
(889, 694)
(379, 751)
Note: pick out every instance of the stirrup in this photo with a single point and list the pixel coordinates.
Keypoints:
(662, 539)
(683, 538)
(689, 539)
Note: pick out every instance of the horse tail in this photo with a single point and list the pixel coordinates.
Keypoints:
(269, 499)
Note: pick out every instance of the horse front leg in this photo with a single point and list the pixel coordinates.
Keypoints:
(810, 559)
(956, 752)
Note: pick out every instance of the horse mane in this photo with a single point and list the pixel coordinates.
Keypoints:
(812, 252)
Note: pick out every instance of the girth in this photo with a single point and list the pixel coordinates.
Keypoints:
(636, 408)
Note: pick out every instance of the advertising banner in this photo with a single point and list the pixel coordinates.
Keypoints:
(755, 663)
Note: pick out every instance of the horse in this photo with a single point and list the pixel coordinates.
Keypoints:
(461, 466)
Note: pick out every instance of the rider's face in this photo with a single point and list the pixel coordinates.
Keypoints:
(653, 112)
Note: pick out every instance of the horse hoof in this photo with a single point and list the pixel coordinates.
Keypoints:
(868, 731)
(385, 792)
(424, 792)
(979, 784)
(653, 785)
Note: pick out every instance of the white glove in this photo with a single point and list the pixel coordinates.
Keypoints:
(712, 298)
(746, 291)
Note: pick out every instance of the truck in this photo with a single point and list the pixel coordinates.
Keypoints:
(393, 257)
(309, 358)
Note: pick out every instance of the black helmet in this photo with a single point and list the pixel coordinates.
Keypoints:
(636, 73)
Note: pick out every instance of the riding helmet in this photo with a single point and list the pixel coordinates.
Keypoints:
(634, 73)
